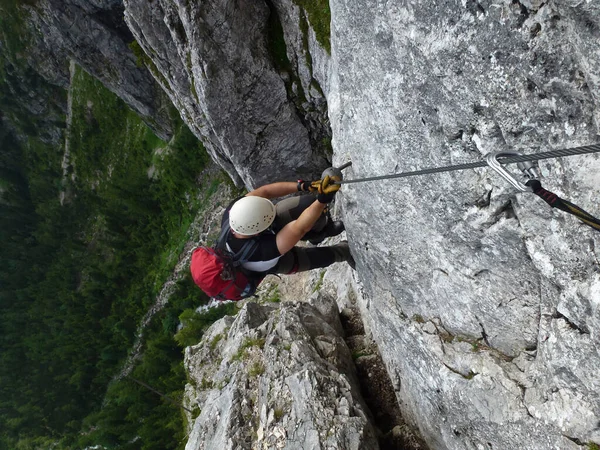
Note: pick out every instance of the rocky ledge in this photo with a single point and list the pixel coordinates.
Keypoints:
(276, 377)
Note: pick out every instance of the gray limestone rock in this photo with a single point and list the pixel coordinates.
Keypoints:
(94, 34)
(306, 73)
(213, 60)
(485, 303)
(275, 377)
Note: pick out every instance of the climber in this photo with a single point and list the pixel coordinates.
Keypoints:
(278, 228)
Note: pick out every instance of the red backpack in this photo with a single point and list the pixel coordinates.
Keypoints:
(219, 273)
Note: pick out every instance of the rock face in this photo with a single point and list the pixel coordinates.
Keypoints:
(94, 34)
(485, 304)
(275, 377)
(215, 60)
(248, 78)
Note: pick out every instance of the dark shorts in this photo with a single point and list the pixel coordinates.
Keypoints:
(300, 259)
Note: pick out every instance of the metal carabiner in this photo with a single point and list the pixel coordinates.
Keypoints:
(527, 167)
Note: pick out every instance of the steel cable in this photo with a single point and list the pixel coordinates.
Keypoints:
(593, 148)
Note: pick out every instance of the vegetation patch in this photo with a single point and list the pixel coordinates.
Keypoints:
(304, 28)
(196, 323)
(359, 353)
(470, 375)
(248, 343)
(143, 60)
(12, 20)
(215, 341)
(206, 384)
(319, 16)
(418, 318)
(319, 283)
(196, 411)
(278, 413)
(256, 369)
(223, 383)
(273, 295)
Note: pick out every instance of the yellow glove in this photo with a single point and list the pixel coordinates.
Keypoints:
(314, 186)
(327, 189)
(325, 186)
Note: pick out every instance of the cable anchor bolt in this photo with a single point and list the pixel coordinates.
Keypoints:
(336, 172)
(530, 169)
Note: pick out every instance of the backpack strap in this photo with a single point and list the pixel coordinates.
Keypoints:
(244, 253)
(222, 240)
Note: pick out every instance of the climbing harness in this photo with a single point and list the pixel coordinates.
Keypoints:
(527, 166)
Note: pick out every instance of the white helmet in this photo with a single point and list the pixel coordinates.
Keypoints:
(251, 215)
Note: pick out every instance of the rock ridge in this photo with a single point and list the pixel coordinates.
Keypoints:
(275, 377)
(214, 61)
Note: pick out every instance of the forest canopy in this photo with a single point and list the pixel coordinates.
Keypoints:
(87, 240)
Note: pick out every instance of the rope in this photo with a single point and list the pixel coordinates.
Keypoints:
(593, 148)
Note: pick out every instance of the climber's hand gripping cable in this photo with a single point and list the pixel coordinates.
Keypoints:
(326, 188)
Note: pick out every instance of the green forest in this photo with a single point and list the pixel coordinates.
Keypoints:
(86, 243)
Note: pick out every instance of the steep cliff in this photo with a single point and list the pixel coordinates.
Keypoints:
(95, 36)
(223, 67)
(485, 304)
